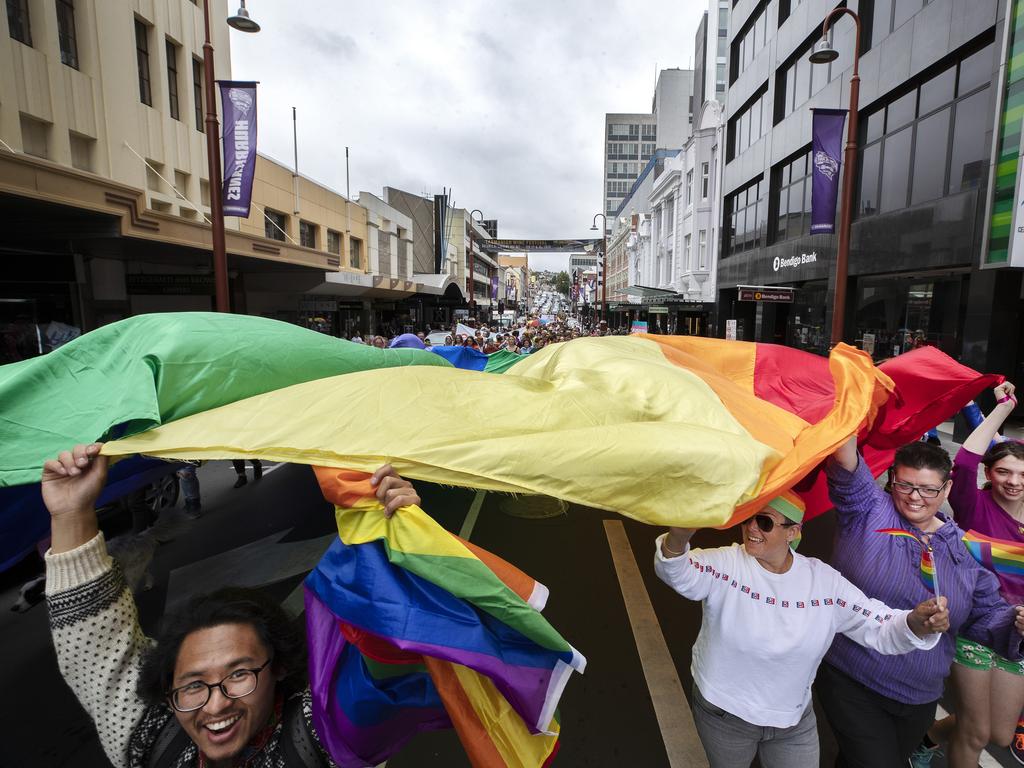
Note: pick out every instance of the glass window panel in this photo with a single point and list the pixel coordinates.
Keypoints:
(976, 70)
(874, 126)
(929, 157)
(869, 180)
(937, 91)
(755, 121)
(900, 112)
(783, 214)
(785, 175)
(790, 90)
(808, 186)
(967, 163)
(803, 82)
(895, 170)
(796, 197)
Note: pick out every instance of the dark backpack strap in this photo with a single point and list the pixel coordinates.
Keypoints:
(170, 743)
(297, 744)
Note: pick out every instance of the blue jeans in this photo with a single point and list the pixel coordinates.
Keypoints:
(731, 742)
(189, 482)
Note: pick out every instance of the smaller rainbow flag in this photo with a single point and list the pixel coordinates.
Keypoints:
(929, 575)
(998, 555)
(928, 570)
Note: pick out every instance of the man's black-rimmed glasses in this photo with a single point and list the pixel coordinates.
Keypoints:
(237, 685)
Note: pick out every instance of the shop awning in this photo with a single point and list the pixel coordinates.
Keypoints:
(643, 292)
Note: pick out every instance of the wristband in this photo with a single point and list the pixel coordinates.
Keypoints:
(667, 548)
(1006, 399)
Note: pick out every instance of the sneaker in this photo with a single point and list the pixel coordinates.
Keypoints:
(922, 756)
(240, 481)
(1017, 745)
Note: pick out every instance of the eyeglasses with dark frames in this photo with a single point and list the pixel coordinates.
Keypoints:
(237, 685)
(907, 489)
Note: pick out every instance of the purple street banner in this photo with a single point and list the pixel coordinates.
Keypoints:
(238, 101)
(494, 288)
(826, 151)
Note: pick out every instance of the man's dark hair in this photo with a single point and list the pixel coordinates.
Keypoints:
(231, 605)
(921, 455)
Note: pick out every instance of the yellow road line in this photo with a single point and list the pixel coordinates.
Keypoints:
(682, 745)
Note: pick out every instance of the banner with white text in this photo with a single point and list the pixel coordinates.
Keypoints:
(238, 100)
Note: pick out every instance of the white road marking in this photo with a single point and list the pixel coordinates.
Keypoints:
(268, 469)
(474, 510)
(682, 745)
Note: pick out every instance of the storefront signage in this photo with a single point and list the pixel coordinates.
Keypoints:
(318, 305)
(794, 261)
(730, 330)
(777, 295)
(170, 285)
(657, 310)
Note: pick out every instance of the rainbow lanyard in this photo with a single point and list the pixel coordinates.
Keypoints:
(929, 574)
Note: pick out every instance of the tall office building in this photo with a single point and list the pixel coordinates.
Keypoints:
(630, 139)
(931, 238)
(629, 142)
(711, 54)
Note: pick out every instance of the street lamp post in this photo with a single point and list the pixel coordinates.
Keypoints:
(604, 258)
(242, 23)
(472, 262)
(824, 53)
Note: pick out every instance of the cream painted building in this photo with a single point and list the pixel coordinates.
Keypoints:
(104, 190)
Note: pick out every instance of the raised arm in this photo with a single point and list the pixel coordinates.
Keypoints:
(982, 436)
(686, 570)
(93, 618)
(846, 454)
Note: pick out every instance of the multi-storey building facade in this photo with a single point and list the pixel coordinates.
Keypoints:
(925, 258)
(104, 189)
(630, 140)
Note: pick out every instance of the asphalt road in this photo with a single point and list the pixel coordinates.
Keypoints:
(269, 533)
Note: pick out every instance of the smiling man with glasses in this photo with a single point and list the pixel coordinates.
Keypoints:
(880, 707)
(224, 683)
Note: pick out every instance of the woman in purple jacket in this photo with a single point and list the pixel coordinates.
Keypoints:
(880, 707)
(988, 687)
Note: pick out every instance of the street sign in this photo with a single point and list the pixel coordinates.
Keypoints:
(657, 310)
(766, 293)
(169, 285)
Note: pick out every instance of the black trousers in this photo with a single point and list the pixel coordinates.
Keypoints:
(239, 465)
(872, 730)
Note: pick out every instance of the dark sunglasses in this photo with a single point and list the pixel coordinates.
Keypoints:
(766, 523)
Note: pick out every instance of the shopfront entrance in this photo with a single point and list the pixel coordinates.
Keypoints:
(893, 315)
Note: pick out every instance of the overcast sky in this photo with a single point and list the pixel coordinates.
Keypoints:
(502, 102)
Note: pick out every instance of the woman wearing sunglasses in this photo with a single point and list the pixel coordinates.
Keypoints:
(988, 687)
(770, 615)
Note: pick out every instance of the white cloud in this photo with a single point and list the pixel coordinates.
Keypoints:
(502, 102)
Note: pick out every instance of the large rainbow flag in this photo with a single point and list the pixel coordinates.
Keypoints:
(627, 424)
(411, 628)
